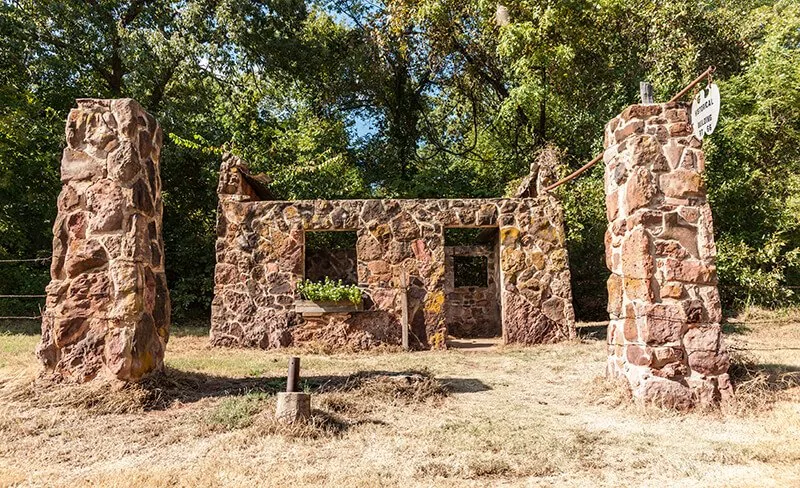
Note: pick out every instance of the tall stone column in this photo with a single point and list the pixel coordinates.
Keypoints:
(107, 311)
(664, 335)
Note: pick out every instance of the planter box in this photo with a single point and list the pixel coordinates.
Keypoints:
(311, 308)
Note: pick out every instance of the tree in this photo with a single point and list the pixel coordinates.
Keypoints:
(457, 103)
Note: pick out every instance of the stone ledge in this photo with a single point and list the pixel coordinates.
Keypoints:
(310, 308)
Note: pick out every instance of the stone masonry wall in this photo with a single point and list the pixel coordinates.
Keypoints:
(472, 311)
(664, 335)
(260, 260)
(107, 311)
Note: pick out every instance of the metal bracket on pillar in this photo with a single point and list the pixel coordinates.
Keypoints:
(646, 92)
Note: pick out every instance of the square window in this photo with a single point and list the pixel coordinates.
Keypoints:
(331, 254)
(470, 271)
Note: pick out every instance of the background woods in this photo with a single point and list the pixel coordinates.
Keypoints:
(408, 98)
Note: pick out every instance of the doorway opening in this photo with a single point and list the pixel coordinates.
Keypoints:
(472, 292)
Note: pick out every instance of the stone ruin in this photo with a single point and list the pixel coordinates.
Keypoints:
(107, 311)
(664, 336)
(400, 260)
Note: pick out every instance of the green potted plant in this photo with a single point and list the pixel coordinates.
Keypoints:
(330, 296)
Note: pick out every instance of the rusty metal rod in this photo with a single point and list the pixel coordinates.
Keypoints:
(293, 378)
(691, 85)
(576, 173)
(597, 158)
(23, 296)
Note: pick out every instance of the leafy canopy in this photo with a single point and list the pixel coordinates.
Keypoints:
(403, 98)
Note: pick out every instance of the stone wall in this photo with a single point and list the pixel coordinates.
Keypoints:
(473, 311)
(107, 310)
(664, 335)
(260, 260)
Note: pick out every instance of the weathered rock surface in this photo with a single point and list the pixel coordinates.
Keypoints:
(400, 243)
(664, 335)
(108, 310)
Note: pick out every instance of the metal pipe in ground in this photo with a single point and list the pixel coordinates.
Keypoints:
(293, 378)
(292, 405)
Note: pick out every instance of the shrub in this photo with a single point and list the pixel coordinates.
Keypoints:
(329, 291)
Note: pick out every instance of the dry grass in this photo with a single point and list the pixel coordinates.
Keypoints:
(507, 417)
(97, 397)
(759, 387)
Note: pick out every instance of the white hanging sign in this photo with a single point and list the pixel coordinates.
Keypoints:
(705, 111)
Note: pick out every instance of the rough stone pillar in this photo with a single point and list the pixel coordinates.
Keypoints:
(664, 335)
(107, 311)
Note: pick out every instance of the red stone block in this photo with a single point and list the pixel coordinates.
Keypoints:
(637, 355)
(637, 261)
(703, 338)
(662, 323)
(659, 132)
(680, 129)
(711, 303)
(612, 205)
(632, 127)
(639, 190)
(672, 290)
(682, 183)
(689, 271)
(650, 219)
(663, 356)
(629, 329)
(677, 115)
(609, 250)
(678, 229)
(614, 286)
(641, 111)
(666, 393)
(689, 214)
(639, 289)
(709, 362)
(671, 249)
(618, 227)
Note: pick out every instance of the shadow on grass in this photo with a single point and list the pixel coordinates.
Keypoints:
(187, 386)
(737, 327)
(594, 331)
(759, 385)
(744, 367)
(34, 328)
(21, 327)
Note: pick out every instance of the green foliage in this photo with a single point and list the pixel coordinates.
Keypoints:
(470, 271)
(585, 213)
(237, 412)
(403, 98)
(325, 241)
(461, 236)
(754, 164)
(329, 291)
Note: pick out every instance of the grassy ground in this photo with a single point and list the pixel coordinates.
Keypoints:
(499, 417)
